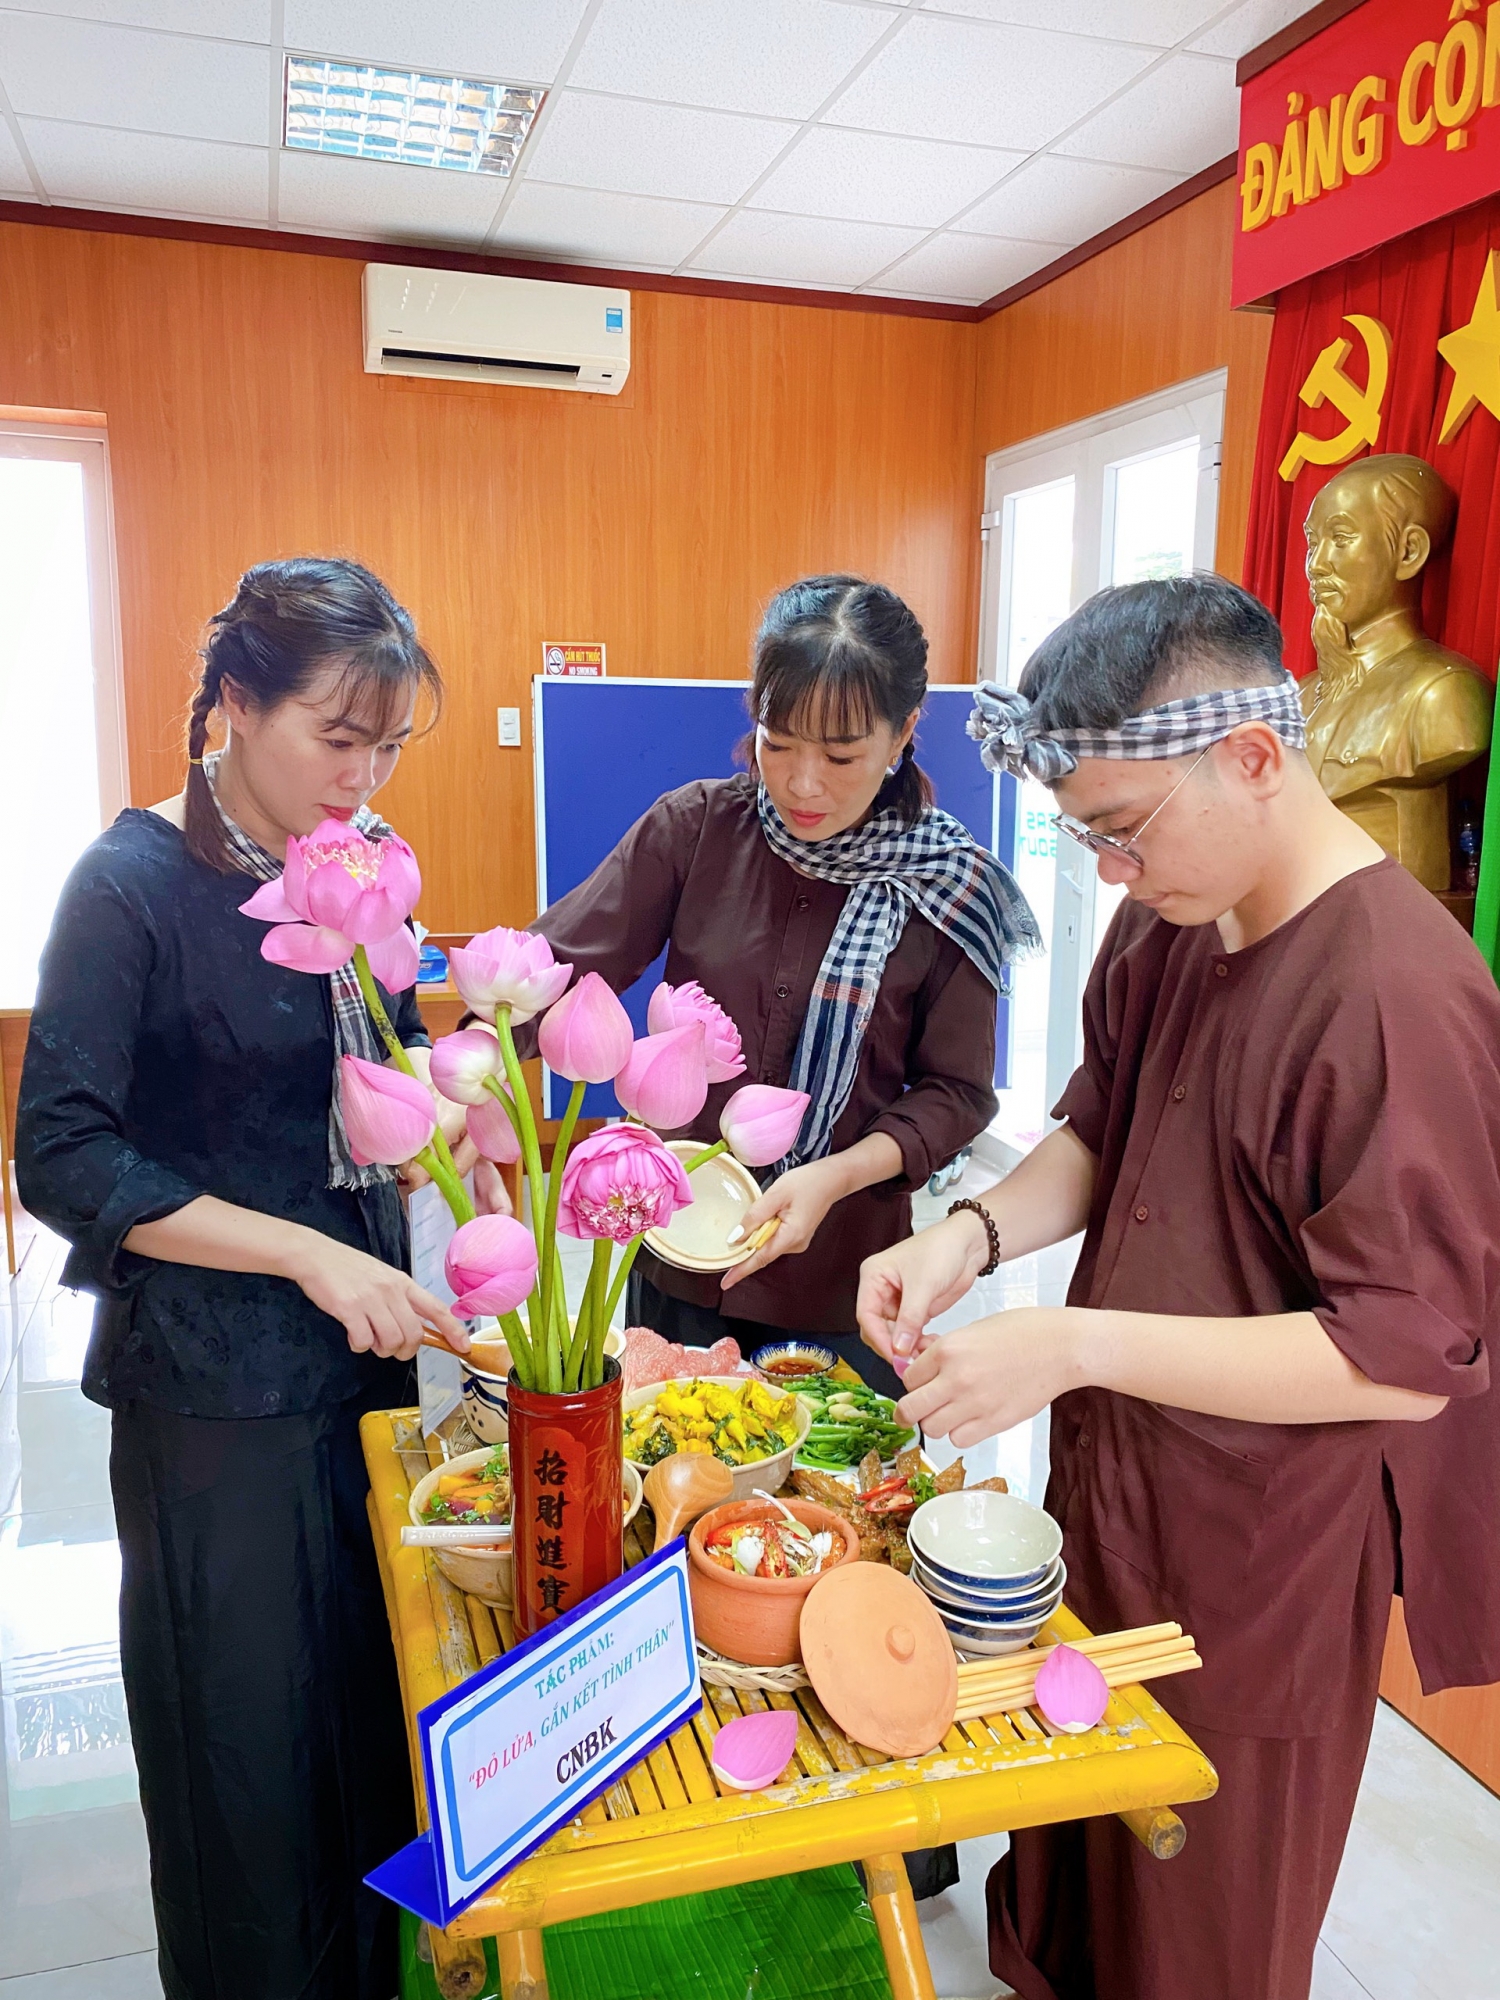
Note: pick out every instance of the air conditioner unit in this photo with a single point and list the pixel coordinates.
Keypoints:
(525, 331)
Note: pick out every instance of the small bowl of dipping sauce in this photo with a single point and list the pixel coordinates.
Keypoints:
(790, 1364)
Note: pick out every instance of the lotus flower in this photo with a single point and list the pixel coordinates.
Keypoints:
(677, 1006)
(491, 1265)
(665, 1077)
(461, 1062)
(339, 889)
(753, 1750)
(388, 1115)
(587, 1036)
(760, 1123)
(502, 968)
(619, 1182)
(1070, 1690)
(490, 1128)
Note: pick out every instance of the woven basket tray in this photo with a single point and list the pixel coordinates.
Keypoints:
(719, 1672)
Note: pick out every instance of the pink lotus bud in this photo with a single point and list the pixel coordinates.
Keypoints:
(760, 1123)
(491, 1265)
(665, 1078)
(508, 968)
(490, 1128)
(1070, 1690)
(388, 1115)
(340, 889)
(461, 1062)
(752, 1751)
(621, 1181)
(675, 1006)
(587, 1036)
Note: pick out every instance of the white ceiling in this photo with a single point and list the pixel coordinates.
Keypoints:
(933, 149)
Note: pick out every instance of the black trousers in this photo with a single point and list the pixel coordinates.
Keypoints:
(264, 1704)
(931, 1869)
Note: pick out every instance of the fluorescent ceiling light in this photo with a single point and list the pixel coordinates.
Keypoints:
(370, 113)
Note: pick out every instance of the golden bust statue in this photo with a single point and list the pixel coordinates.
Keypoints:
(1390, 713)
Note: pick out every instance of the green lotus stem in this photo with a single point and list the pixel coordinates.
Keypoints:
(619, 1284)
(438, 1144)
(521, 1356)
(702, 1159)
(553, 1270)
(586, 1354)
(445, 1177)
(560, 1344)
(531, 1151)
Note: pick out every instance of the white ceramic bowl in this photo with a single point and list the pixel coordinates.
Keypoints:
(771, 1473)
(487, 1396)
(485, 1571)
(989, 1645)
(980, 1540)
(997, 1627)
(964, 1602)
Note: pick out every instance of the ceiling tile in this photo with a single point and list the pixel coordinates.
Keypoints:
(624, 229)
(1184, 116)
(868, 177)
(630, 147)
(971, 268)
(518, 41)
(987, 85)
(14, 178)
(1162, 23)
(233, 20)
(90, 74)
(1249, 25)
(88, 164)
(1057, 200)
(320, 191)
(781, 57)
(800, 250)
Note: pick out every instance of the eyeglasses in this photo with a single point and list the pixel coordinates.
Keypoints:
(1123, 850)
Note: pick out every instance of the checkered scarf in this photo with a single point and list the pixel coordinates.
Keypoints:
(353, 1030)
(1004, 726)
(935, 867)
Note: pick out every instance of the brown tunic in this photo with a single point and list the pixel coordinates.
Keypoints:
(695, 874)
(1311, 1123)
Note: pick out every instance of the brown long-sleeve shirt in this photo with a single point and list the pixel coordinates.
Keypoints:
(1309, 1124)
(695, 874)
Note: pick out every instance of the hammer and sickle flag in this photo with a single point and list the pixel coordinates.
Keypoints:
(1327, 382)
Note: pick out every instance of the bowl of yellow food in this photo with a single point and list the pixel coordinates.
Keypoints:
(752, 1427)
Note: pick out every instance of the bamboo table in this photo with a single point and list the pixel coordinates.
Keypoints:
(666, 1830)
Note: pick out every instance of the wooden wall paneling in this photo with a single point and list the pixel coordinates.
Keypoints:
(1463, 1721)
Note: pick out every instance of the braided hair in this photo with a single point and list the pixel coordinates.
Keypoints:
(286, 623)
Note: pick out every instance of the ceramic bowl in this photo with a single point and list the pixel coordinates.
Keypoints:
(771, 1473)
(754, 1619)
(996, 1628)
(487, 1396)
(485, 1571)
(980, 1540)
(697, 1238)
(813, 1361)
(970, 1640)
(1021, 1606)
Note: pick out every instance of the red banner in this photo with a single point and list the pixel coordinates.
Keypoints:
(1386, 120)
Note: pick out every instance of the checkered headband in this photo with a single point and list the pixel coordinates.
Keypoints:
(1004, 726)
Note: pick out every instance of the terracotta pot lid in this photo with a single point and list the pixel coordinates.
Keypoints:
(879, 1659)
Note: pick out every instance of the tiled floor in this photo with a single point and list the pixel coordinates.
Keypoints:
(1415, 1917)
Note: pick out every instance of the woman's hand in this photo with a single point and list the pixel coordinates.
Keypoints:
(491, 1195)
(902, 1288)
(799, 1200)
(983, 1379)
(380, 1308)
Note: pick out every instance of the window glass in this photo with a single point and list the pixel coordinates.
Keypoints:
(1156, 506)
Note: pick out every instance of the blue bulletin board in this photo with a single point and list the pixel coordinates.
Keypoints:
(605, 750)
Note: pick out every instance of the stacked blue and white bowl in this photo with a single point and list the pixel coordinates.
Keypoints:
(992, 1565)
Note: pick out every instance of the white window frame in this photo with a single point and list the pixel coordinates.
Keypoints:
(87, 445)
(1090, 453)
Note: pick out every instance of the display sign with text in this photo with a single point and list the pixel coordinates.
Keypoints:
(1385, 120)
(521, 1747)
(569, 659)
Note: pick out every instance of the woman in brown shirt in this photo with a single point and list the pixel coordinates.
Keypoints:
(855, 935)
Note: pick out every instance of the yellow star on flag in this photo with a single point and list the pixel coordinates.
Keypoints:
(1473, 353)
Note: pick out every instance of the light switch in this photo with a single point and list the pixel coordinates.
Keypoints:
(510, 728)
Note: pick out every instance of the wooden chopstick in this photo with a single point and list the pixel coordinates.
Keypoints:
(1018, 1667)
(973, 1706)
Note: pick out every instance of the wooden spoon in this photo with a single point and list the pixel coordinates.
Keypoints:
(491, 1357)
(680, 1488)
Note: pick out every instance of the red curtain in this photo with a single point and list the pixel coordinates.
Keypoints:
(1420, 287)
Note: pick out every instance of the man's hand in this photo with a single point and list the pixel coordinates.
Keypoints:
(800, 1199)
(985, 1378)
(902, 1288)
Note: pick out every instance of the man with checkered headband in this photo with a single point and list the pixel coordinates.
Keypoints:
(1269, 1388)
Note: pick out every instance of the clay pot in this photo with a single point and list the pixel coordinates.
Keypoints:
(755, 1619)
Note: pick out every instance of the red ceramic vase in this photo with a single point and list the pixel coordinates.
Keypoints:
(566, 1452)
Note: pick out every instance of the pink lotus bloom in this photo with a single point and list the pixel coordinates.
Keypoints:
(490, 1128)
(508, 968)
(619, 1182)
(491, 1266)
(1070, 1690)
(339, 889)
(760, 1123)
(587, 1036)
(388, 1115)
(461, 1062)
(676, 1006)
(665, 1078)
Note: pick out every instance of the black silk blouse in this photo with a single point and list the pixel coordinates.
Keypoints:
(167, 1059)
